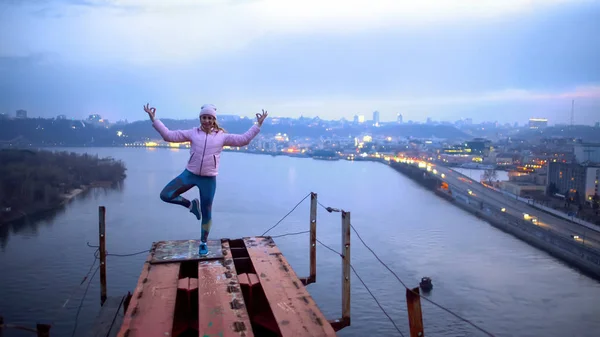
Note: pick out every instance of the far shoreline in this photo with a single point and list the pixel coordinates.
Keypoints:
(66, 199)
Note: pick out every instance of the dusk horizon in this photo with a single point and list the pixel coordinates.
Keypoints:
(481, 60)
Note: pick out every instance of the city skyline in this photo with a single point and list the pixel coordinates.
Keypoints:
(484, 60)
(357, 118)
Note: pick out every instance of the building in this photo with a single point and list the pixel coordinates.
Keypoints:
(94, 118)
(573, 180)
(587, 153)
(592, 176)
(479, 146)
(21, 114)
(506, 159)
(538, 177)
(376, 118)
(522, 188)
(399, 118)
(454, 159)
(538, 123)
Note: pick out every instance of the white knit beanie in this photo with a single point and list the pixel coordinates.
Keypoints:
(208, 109)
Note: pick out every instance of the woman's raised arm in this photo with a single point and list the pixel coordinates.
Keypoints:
(245, 138)
(174, 136)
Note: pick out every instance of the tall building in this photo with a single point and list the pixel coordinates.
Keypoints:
(573, 180)
(21, 114)
(376, 117)
(538, 123)
(478, 146)
(399, 118)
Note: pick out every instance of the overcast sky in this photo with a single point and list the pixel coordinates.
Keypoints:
(501, 60)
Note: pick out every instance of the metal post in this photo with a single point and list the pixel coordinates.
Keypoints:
(339, 324)
(313, 238)
(415, 316)
(346, 267)
(102, 244)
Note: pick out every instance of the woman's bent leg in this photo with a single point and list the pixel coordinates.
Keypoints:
(171, 192)
(208, 187)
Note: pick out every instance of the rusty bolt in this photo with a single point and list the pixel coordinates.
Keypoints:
(239, 326)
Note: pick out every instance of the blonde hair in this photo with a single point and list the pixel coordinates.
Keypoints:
(216, 126)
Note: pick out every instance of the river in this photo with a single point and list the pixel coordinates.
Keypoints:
(478, 271)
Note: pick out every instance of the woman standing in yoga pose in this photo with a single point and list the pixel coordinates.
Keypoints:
(206, 144)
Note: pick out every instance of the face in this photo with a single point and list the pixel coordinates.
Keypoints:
(207, 121)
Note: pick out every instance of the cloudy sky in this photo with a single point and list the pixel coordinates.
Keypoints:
(501, 60)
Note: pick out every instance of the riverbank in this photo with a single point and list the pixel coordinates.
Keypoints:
(574, 253)
(33, 182)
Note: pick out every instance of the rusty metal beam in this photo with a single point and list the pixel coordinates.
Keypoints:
(293, 308)
(222, 310)
(102, 249)
(152, 307)
(415, 316)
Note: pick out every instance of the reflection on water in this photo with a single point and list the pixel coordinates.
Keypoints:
(28, 225)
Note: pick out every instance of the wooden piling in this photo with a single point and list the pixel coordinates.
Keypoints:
(102, 250)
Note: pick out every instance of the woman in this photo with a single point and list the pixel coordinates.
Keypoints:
(206, 144)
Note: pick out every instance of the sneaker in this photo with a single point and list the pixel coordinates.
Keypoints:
(195, 208)
(203, 251)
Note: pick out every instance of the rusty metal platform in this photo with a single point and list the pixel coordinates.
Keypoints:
(247, 288)
(184, 250)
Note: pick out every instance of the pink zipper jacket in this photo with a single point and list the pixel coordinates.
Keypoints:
(205, 149)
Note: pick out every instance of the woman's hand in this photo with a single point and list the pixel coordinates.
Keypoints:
(151, 111)
(261, 117)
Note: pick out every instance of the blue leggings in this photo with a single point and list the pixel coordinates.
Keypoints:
(181, 184)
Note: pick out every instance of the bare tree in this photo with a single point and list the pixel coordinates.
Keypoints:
(490, 176)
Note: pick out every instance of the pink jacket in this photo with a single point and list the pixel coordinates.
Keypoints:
(205, 149)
